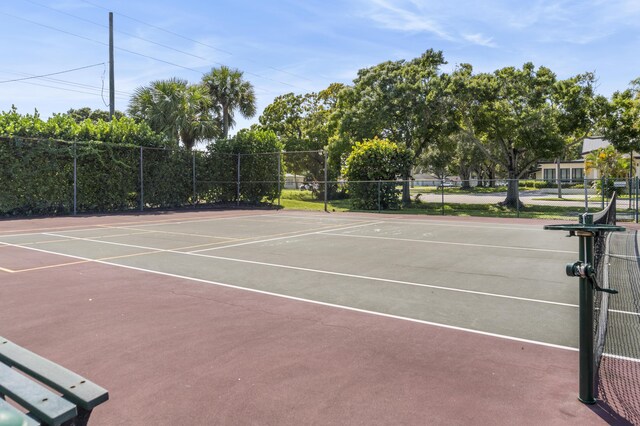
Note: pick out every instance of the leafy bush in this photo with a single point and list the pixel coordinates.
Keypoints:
(38, 168)
(258, 159)
(376, 160)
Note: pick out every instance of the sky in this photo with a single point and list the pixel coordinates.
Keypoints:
(298, 46)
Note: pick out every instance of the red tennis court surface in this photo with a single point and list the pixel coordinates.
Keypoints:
(274, 318)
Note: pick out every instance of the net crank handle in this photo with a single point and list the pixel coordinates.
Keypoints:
(585, 270)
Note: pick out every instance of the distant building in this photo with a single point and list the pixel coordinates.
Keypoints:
(576, 171)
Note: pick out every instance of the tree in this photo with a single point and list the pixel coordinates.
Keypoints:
(621, 124)
(376, 160)
(177, 109)
(229, 92)
(403, 101)
(439, 159)
(610, 165)
(301, 122)
(86, 113)
(518, 116)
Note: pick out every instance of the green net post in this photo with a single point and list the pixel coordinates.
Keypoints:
(587, 362)
(584, 269)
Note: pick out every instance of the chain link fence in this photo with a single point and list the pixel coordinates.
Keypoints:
(56, 177)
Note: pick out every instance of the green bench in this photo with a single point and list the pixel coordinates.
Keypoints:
(70, 404)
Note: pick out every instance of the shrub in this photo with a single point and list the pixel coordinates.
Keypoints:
(372, 169)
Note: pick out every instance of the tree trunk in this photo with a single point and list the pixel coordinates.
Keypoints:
(225, 122)
(558, 178)
(513, 196)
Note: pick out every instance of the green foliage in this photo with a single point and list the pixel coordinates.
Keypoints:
(622, 121)
(535, 184)
(81, 114)
(257, 151)
(176, 109)
(123, 130)
(518, 116)
(376, 160)
(228, 92)
(39, 170)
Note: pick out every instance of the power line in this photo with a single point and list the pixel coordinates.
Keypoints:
(53, 73)
(97, 92)
(119, 32)
(133, 52)
(198, 42)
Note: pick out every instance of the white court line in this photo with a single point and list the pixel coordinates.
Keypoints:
(155, 231)
(284, 237)
(620, 357)
(315, 302)
(624, 312)
(447, 243)
(325, 272)
(461, 224)
(136, 224)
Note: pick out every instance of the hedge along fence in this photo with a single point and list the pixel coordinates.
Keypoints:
(44, 176)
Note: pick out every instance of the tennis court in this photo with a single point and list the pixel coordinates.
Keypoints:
(271, 317)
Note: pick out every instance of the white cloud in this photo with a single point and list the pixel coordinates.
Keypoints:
(480, 40)
(400, 16)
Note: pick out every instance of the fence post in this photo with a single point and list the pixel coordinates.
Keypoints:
(442, 196)
(518, 197)
(195, 195)
(586, 195)
(379, 194)
(602, 190)
(279, 175)
(75, 179)
(326, 183)
(141, 178)
(238, 184)
(637, 196)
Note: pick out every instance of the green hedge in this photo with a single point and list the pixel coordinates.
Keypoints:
(37, 175)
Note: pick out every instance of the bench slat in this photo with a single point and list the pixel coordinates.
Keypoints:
(74, 387)
(43, 403)
(26, 419)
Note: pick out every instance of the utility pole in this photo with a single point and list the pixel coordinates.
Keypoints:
(112, 90)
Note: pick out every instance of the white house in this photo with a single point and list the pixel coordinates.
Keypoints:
(576, 170)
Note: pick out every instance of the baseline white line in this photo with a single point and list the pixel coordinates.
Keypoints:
(325, 272)
(620, 357)
(315, 302)
(447, 243)
(136, 224)
(624, 312)
(284, 237)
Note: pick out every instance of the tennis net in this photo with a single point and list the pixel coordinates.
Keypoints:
(617, 262)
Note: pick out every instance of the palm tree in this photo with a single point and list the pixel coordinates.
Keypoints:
(177, 109)
(229, 92)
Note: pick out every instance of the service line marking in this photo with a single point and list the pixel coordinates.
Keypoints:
(315, 302)
(448, 243)
(340, 274)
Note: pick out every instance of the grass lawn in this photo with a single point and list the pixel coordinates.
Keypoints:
(304, 200)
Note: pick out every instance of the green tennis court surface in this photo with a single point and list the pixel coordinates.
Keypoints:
(496, 281)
